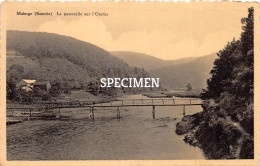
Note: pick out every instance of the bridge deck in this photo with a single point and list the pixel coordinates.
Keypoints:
(127, 105)
(133, 105)
(114, 104)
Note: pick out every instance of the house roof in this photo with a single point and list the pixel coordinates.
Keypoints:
(28, 81)
(41, 82)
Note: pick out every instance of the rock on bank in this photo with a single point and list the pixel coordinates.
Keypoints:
(216, 134)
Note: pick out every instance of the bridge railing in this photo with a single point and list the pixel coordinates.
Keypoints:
(152, 102)
(132, 102)
(19, 111)
(57, 106)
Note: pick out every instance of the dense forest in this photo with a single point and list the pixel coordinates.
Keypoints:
(225, 128)
(232, 82)
(66, 62)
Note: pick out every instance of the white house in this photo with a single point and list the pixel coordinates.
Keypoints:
(25, 84)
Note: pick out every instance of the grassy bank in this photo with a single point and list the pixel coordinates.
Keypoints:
(74, 96)
(195, 93)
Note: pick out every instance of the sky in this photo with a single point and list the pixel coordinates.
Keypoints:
(165, 30)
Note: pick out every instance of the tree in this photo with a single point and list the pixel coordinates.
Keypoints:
(233, 70)
(39, 94)
(22, 96)
(247, 36)
(189, 87)
(222, 72)
(94, 87)
(245, 69)
(10, 90)
(13, 75)
(55, 89)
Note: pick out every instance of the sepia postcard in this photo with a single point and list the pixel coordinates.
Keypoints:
(129, 83)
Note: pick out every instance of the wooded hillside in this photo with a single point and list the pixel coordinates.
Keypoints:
(60, 59)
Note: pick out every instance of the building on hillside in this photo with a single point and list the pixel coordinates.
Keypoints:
(43, 85)
(25, 84)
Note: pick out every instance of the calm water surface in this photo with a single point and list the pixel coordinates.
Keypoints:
(136, 136)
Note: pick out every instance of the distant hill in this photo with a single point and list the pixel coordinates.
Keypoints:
(146, 61)
(173, 73)
(195, 72)
(46, 56)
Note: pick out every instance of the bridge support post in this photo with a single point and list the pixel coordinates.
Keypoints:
(118, 113)
(173, 101)
(190, 101)
(142, 101)
(58, 116)
(31, 112)
(59, 112)
(162, 101)
(153, 112)
(184, 110)
(91, 115)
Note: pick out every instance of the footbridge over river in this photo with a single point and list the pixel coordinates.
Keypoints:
(91, 105)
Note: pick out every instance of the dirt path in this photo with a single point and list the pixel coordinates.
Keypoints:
(240, 140)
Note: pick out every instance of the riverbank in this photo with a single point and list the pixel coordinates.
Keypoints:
(195, 93)
(216, 134)
(75, 96)
(40, 109)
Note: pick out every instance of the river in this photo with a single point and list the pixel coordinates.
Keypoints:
(135, 136)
